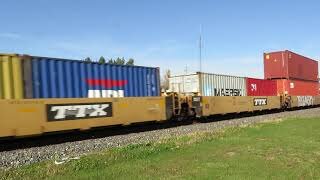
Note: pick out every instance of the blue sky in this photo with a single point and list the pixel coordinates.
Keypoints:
(163, 33)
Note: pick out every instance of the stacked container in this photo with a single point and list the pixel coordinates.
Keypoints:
(43, 77)
(289, 65)
(294, 74)
(205, 84)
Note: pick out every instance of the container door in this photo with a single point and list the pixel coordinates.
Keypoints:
(276, 65)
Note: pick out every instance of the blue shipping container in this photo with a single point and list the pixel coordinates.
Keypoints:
(61, 78)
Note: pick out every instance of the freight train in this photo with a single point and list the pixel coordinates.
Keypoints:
(39, 95)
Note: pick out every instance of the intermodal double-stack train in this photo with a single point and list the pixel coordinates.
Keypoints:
(39, 95)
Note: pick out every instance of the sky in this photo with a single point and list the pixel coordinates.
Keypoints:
(163, 33)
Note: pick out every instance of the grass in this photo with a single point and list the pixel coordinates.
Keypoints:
(287, 149)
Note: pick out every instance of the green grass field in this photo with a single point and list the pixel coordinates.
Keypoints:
(287, 149)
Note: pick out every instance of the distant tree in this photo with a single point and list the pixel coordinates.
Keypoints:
(130, 62)
(102, 60)
(123, 61)
(87, 59)
(110, 61)
(119, 61)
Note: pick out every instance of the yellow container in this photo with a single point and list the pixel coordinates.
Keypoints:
(11, 81)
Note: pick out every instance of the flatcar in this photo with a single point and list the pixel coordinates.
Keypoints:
(30, 117)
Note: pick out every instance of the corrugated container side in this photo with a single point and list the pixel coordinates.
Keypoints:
(11, 83)
(222, 85)
(27, 77)
(61, 78)
(1, 79)
(185, 83)
(301, 67)
(261, 87)
(297, 87)
(289, 65)
(206, 84)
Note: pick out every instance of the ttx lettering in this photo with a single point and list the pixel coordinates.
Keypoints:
(260, 102)
(80, 111)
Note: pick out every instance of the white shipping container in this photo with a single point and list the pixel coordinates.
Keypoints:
(184, 83)
(206, 84)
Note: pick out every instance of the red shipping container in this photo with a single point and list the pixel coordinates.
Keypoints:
(289, 65)
(297, 87)
(261, 87)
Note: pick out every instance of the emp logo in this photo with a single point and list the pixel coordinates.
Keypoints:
(253, 87)
(58, 112)
(260, 101)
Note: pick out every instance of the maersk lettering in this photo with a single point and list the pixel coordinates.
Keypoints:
(58, 112)
(227, 92)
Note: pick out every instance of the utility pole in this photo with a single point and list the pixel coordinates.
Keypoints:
(186, 70)
(200, 49)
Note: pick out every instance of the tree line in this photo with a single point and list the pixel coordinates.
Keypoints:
(118, 60)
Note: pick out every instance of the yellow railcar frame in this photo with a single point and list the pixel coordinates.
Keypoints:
(213, 105)
(303, 101)
(30, 117)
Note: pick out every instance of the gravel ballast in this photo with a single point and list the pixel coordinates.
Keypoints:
(16, 158)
